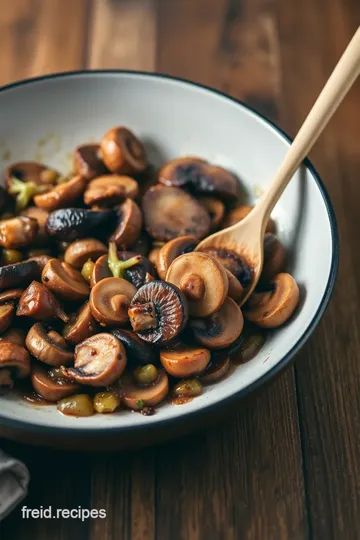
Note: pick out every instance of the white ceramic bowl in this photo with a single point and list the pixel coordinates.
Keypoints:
(46, 118)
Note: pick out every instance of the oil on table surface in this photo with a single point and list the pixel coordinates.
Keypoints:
(287, 466)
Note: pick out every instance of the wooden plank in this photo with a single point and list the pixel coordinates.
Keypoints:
(238, 481)
(36, 38)
(329, 373)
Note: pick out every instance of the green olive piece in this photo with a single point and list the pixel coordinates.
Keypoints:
(146, 374)
(106, 402)
(87, 270)
(24, 191)
(77, 405)
(188, 388)
(118, 267)
(11, 256)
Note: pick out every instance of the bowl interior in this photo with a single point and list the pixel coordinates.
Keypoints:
(47, 118)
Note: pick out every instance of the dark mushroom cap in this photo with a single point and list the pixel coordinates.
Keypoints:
(81, 325)
(202, 279)
(87, 161)
(110, 189)
(123, 152)
(274, 307)
(50, 386)
(63, 195)
(216, 370)
(74, 223)
(29, 171)
(180, 171)
(13, 275)
(240, 212)
(46, 347)
(215, 208)
(274, 258)
(15, 360)
(137, 273)
(222, 328)
(41, 261)
(137, 397)
(80, 251)
(7, 312)
(110, 299)
(158, 312)
(41, 216)
(99, 361)
(40, 304)
(172, 250)
(232, 262)
(170, 212)
(185, 361)
(64, 281)
(18, 232)
(129, 225)
(138, 351)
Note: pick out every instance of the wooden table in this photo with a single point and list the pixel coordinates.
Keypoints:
(287, 467)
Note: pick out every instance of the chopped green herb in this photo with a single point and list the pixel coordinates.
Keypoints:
(118, 267)
(140, 403)
(24, 192)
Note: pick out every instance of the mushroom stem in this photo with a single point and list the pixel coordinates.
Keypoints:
(143, 317)
(193, 286)
(24, 191)
(118, 267)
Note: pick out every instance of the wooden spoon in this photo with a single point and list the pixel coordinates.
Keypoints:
(246, 237)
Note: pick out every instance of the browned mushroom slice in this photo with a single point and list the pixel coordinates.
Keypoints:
(31, 171)
(51, 384)
(137, 397)
(14, 335)
(110, 189)
(202, 279)
(40, 304)
(215, 208)
(170, 212)
(7, 312)
(14, 363)
(99, 361)
(123, 152)
(41, 216)
(236, 290)
(82, 250)
(138, 352)
(12, 295)
(180, 171)
(158, 312)
(172, 250)
(274, 258)
(64, 281)
(46, 346)
(185, 361)
(110, 300)
(240, 212)
(222, 328)
(63, 195)
(81, 326)
(18, 232)
(154, 257)
(274, 307)
(253, 342)
(232, 262)
(87, 161)
(129, 224)
(216, 370)
(13, 275)
(100, 271)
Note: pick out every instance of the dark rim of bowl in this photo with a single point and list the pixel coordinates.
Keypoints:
(161, 424)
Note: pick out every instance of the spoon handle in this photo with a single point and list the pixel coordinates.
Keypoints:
(336, 88)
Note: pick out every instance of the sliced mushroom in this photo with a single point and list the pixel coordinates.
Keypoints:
(63, 195)
(45, 346)
(13, 275)
(110, 300)
(273, 308)
(110, 189)
(216, 370)
(172, 250)
(10, 296)
(181, 171)
(14, 363)
(74, 223)
(41, 216)
(81, 326)
(170, 212)
(222, 328)
(87, 161)
(137, 397)
(274, 258)
(99, 361)
(64, 281)
(123, 152)
(138, 352)
(31, 171)
(215, 208)
(51, 384)
(202, 279)
(154, 257)
(7, 312)
(14, 335)
(232, 262)
(129, 224)
(185, 361)
(18, 232)
(253, 342)
(236, 290)
(82, 250)
(240, 212)
(100, 271)
(158, 312)
(40, 304)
